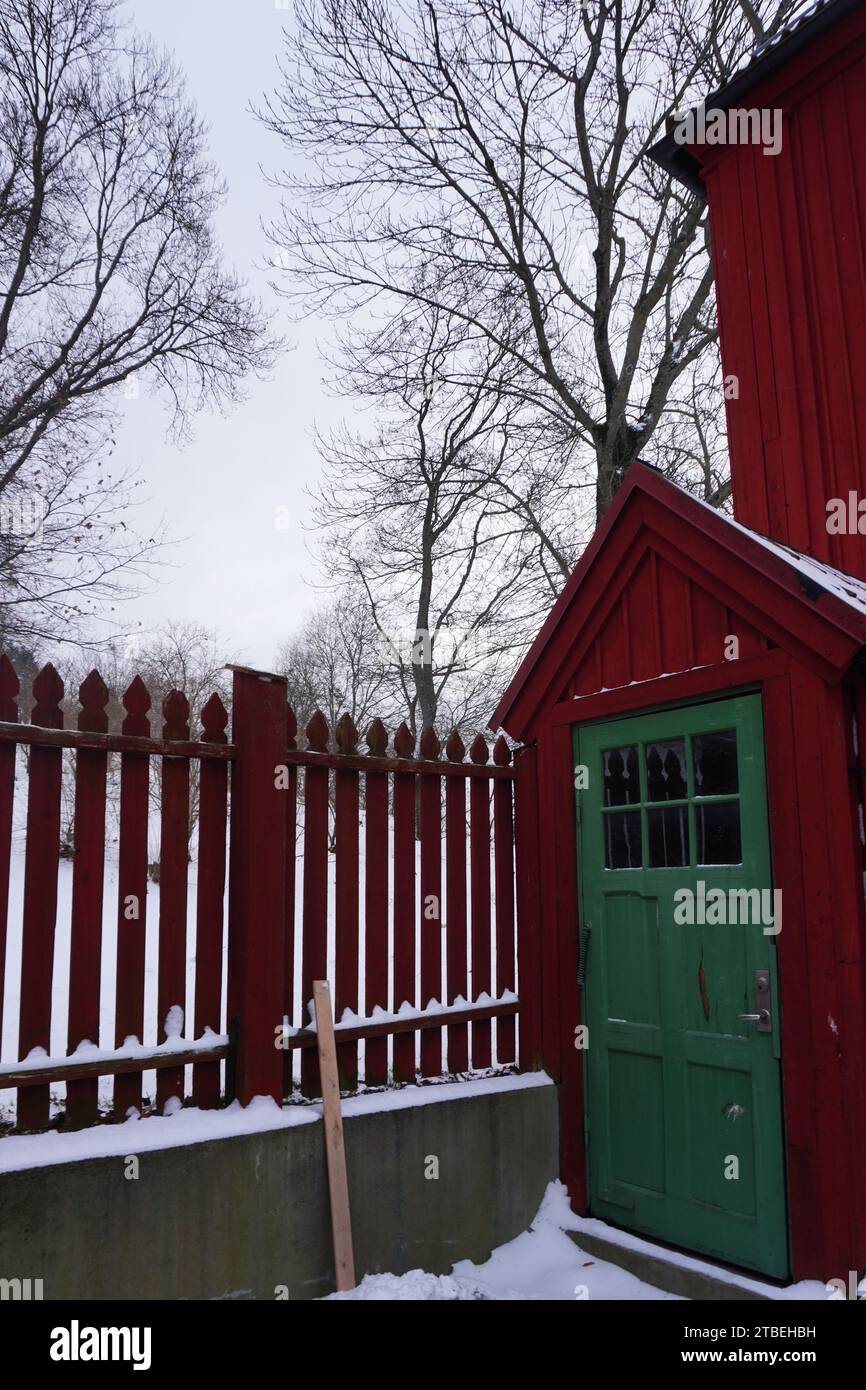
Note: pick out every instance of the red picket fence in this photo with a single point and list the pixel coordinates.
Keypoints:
(411, 914)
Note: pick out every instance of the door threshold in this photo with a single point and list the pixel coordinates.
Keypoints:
(670, 1268)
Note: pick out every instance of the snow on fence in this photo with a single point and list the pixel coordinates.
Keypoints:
(389, 873)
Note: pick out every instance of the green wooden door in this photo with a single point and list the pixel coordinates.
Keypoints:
(684, 1108)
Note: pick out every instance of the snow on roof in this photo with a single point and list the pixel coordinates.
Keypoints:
(785, 31)
(844, 586)
(790, 27)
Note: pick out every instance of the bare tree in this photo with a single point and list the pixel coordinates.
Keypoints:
(489, 162)
(412, 515)
(109, 274)
(334, 664)
(69, 547)
(186, 657)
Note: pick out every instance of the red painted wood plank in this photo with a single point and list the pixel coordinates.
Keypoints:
(256, 986)
(844, 865)
(615, 649)
(528, 886)
(402, 1026)
(479, 861)
(112, 743)
(404, 903)
(674, 597)
(376, 862)
(738, 351)
(549, 942)
(291, 801)
(641, 601)
(710, 621)
(783, 303)
(40, 895)
(132, 894)
(173, 874)
(88, 873)
(430, 915)
(562, 828)
(820, 1087)
(366, 762)
(210, 901)
(347, 953)
(314, 964)
(503, 847)
(456, 939)
(9, 687)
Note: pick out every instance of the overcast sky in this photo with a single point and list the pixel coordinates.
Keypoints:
(232, 570)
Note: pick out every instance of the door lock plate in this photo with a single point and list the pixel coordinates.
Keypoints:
(763, 1015)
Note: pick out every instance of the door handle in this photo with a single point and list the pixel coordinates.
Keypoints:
(762, 1017)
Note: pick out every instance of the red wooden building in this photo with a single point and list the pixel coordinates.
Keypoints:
(690, 792)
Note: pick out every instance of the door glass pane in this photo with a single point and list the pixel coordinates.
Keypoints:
(621, 779)
(622, 847)
(668, 832)
(666, 770)
(716, 764)
(719, 833)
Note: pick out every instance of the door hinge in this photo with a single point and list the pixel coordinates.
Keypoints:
(586, 1131)
(583, 953)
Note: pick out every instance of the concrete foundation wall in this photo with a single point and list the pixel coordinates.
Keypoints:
(238, 1217)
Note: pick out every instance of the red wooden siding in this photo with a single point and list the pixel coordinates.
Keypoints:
(657, 648)
(789, 255)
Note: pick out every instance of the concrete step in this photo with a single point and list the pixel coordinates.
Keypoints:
(670, 1270)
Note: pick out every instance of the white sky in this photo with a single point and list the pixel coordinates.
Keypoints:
(232, 570)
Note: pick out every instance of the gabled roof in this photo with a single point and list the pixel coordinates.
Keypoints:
(810, 609)
(799, 33)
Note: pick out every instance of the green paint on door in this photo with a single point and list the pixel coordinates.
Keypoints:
(684, 1102)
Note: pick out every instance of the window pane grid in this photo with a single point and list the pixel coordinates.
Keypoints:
(645, 828)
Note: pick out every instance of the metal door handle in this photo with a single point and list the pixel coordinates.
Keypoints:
(762, 1017)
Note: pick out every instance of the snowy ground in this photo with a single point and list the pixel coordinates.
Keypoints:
(544, 1264)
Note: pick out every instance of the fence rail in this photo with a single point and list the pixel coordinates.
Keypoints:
(388, 870)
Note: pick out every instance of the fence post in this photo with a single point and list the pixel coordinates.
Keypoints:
(257, 882)
(528, 874)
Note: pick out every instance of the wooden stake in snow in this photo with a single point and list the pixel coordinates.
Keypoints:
(341, 1223)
